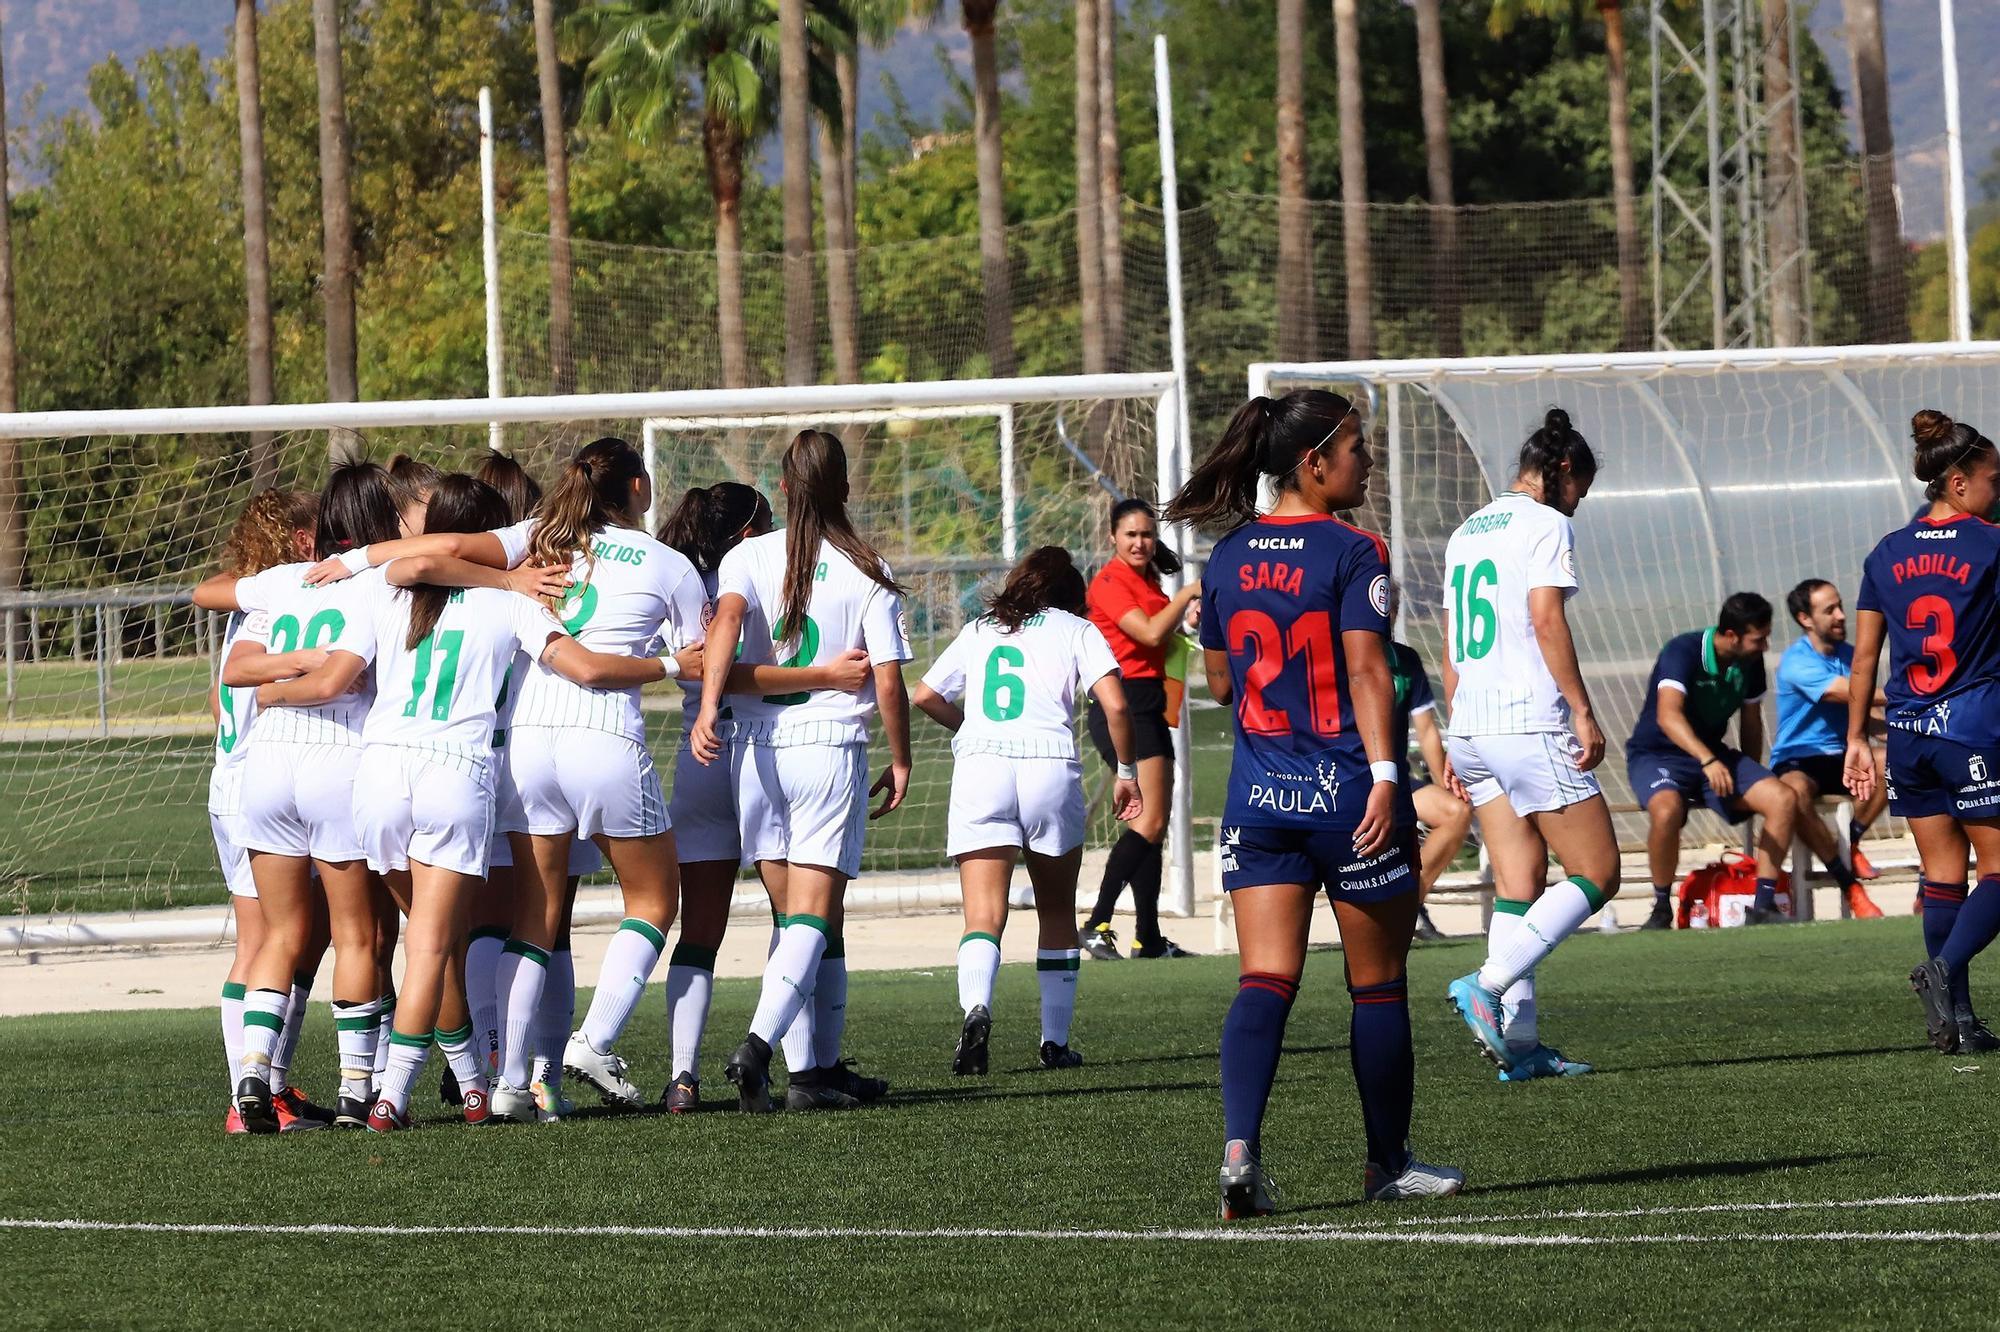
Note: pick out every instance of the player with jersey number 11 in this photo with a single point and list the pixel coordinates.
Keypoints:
(1295, 635)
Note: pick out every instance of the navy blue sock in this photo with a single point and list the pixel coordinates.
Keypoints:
(1977, 924)
(1767, 894)
(1385, 1069)
(1252, 1036)
(1941, 906)
(1854, 833)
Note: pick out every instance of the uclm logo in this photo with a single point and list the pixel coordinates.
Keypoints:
(1936, 534)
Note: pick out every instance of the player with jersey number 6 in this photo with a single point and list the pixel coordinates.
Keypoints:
(800, 597)
(1016, 784)
(1525, 739)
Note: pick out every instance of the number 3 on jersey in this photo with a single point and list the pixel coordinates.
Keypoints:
(1469, 607)
(1939, 663)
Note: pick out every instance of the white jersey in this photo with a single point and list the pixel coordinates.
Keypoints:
(442, 698)
(338, 616)
(1493, 561)
(635, 598)
(1021, 688)
(847, 610)
(691, 684)
(237, 709)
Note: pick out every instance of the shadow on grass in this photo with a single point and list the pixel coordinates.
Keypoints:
(1775, 1057)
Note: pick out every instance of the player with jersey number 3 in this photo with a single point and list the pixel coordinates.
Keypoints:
(1932, 591)
(1295, 634)
(1524, 739)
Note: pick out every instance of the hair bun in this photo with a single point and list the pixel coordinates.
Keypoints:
(1556, 422)
(1931, 426)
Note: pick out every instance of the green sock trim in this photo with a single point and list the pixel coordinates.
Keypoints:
(1503, 906)
(1591, 892)
(386, 1004)
(692, 955)
(458, 1037)
(269, 1021)
(232, 990)
(489, 932)
(1058, 964)
(777, 919)
(522, 948)
(647, 930)
(970, 935)
(420, 1042)
(348, 1023)
(836, 947)
(811, 922)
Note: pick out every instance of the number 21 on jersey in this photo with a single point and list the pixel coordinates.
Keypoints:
(1310, 636)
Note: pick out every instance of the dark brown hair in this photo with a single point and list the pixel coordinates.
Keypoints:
(1048, 577)
(358, 507)
(815, 473)
(1266, 437)
(1552, 447)
(459, 503)
(521, 491)
(1944, 446)
(262, 536)
(709, 521)
(592, 493)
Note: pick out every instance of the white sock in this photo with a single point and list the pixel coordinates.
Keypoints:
(555, 1019)
(288, 1039)
(1553, 918)
(385, 1023)
(232, 1030)
(1056, 973)
(978, 964)
(789, 976)
(466, 1055)
(829, 1005)
(405, 1060)
(357, 1028)
(482, 965)
(519, 1005)
(1517, 1005)
(629, 960)
(690, 990)
(797, 1042)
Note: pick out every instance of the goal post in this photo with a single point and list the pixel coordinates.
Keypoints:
(104, 745)
(1723, 471)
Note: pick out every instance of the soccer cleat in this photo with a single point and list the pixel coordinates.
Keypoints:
(1246, 1190)
(1862, 868)
(1932, 982)
(1480, 1008)
(511, 1105)
(1418, 1180)
(1100, 943)
(1543, 1062)
(350, 1112)
(970, 1056)
(1161, 947)
(296, 1114)
(1770, 915)
(749, 1069)
(862, 1088)
(254, 1107)
(606, 1072)
(1427, 930)
(1059, 1056)
(683, 1095)
(449, 1092)
(386, 1118)
(1973, 1036)
(1661, 918)
(1860, 905)
(811, 1091)
(473, 1105)
(551, 1106)
(232, 1123)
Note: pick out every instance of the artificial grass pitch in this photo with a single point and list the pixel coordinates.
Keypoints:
(1737, 1068)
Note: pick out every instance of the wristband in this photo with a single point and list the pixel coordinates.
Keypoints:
(1386, 771)
(354, 561)
(1710, 759)
(672, 666)
(1128, 772)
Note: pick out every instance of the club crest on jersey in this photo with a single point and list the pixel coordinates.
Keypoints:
(1378, 594)
(1569, 562)
(1976, 768)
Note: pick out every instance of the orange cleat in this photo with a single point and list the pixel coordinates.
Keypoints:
(1863, 870)
(474, 1106)
(296, 1114)
(1860, 905)
(232, 1123)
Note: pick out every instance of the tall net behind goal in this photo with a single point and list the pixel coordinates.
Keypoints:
(106, 739)
(1721, 472)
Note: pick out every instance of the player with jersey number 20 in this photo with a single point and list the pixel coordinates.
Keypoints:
(1294, 631)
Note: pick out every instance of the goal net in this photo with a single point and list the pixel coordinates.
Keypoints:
(106, 740)
(1721, 472)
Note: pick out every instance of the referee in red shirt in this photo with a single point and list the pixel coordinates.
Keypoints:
(1137, 618)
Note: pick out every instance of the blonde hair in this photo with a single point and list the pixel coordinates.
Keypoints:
(262, 536)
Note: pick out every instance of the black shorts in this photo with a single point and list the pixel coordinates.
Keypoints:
(1824, 771)
(1146, 702)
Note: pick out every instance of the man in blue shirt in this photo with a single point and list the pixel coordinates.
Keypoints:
(1812, 728)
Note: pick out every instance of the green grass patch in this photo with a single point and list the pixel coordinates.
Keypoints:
(68, 691)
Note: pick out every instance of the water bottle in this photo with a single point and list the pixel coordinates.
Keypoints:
(1698, 914)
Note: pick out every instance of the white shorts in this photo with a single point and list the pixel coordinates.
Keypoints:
(1537, 773)
(568, 779)
(802, 804)
(584, 857)
(298, 800)
(234, 859)
(408, 808)
(1035, 803)
(703, 809)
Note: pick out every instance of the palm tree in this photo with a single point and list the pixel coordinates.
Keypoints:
(336, 210)
(795, 129)
(13, 504)
(1445, 292)
(1888, 315)
(1354, 182)
(1295, 262)
(1632, 320)
(256, 238)
(996, 275)
(1089, 208)
(1110, 185)
(555, 164)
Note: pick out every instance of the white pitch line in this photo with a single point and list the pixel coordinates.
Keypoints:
(1264, 1235)
(1586, 1214)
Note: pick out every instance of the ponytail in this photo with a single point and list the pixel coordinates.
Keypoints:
(1047, 577)
(709, 521)
(590, 494)
(1267, 437)
(815, 473)
(1554, 449)
(459, 503)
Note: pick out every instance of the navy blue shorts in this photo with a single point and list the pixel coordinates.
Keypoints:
(1653, 771)
(1824, 771)
(1253, 857)
(1931, 775)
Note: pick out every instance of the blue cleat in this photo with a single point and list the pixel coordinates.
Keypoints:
(1543, 1062)
(1480, 1008)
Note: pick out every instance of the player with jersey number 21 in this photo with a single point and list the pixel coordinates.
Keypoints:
(1932, 590)
(1295, 634)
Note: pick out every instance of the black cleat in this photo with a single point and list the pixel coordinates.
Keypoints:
(1059, 1056)
(448, 1092)
(813, 1090)
(750, 1070)
(1973, 1036)
(1662, 917)
(1757, 915)
(1161, 947)
(350, 1113)
(1933, 986)
(254, 1107)
(864, 1089)
(970, 1056)
(1100, 942)
(682, 1096)
(1427, 929)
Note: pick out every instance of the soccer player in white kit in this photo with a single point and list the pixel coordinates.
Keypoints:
(800, 596)
(1016, 784)
(1525, 739)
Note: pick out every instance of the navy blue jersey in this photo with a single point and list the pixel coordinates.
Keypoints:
(1937, 587)
(1712, 691)
(1276, 596)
